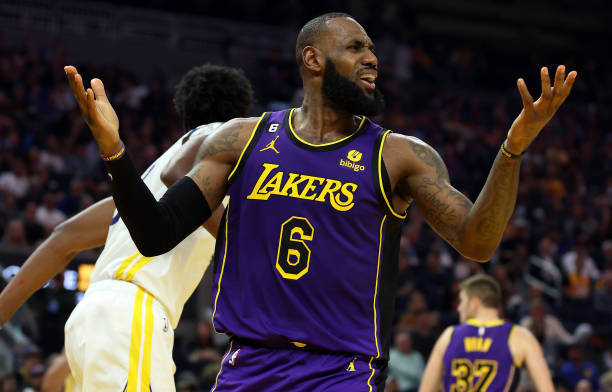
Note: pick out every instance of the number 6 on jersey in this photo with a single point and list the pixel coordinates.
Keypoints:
(293, 257)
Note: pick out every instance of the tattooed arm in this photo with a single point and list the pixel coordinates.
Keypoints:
(158, 226)
(474, 230)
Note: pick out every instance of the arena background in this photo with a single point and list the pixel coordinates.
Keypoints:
(448, 72)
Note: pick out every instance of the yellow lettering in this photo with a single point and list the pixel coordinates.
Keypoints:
(477, 344)
(347, 204)
(330, 187)
(291, 183)
(274, 183)
(268, 167)
(310, 187)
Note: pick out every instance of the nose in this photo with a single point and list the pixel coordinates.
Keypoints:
(370, 59)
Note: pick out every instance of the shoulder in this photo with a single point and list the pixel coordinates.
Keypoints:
(446, 336)
(521, 341)
(229, 138)
(411, 154)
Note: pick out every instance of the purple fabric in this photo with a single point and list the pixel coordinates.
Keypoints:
(246, 368)
(329, 307)
(481, 356)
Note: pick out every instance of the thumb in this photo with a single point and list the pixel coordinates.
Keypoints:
(98, 89)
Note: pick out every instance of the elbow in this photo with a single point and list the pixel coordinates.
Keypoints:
(166, 177)
(479, 254)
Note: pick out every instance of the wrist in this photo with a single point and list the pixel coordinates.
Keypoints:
(508, 153)
(513, 148)
(115, 153)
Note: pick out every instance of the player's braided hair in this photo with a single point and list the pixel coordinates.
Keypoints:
(211, 93)
(311, 30)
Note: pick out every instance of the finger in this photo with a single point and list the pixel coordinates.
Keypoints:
(98, 89)
(559, 77)
(75, 81)
(568, 84)
(91, 105)
(546, 90)
(525, 96)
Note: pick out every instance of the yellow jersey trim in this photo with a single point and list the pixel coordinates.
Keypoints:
(137, 267)
(478, 323)
(510, 379)
(323, 144)
(221, 367)
(380, 182)
(132, 383)
(126, 262)
(371, 375)
(222, 267)
(380, 241)
(248, 143)
(145, 376)
(518, 365)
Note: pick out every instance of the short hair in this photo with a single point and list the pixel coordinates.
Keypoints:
(312, 30)
(483, 287)
(210, 93)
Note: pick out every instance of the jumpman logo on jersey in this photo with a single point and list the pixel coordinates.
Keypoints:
(351, 366)
(270, 146)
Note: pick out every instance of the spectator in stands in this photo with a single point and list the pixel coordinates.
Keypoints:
(406, 365)
(576, 369)
(47, 214)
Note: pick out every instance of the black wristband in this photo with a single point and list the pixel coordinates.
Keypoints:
(155, 226)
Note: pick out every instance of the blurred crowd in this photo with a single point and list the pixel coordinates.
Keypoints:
(554, 263)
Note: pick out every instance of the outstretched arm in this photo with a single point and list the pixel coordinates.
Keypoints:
(86, 230)
(475, 230)
(158, 226)
(432, 377)
(180, 164)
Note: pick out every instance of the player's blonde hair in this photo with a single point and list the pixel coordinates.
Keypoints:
(483, 287)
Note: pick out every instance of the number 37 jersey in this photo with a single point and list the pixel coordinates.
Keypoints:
(307, 252)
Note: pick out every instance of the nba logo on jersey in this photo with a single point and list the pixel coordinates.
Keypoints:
(273, 127)
(232, 360)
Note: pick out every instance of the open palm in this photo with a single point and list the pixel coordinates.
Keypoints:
(535, 115)
(96, 110)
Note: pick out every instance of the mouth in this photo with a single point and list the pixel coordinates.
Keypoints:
(368, 79)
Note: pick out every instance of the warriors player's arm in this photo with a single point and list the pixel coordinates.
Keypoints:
(86, 230)
(55, 376)
(432, 377)
(526, 351)
(418, 173)
(158, 226)
(180, 164)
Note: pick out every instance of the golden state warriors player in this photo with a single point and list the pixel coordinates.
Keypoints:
(306, 264)
(484, 353)
(120, 336)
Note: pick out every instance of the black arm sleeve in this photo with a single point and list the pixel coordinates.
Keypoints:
(155, 226)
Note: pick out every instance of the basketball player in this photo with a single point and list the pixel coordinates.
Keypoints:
(306, 261)
(120, 336)
(484, 353)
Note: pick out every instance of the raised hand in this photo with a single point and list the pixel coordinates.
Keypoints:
(535, 115)
(96, 110)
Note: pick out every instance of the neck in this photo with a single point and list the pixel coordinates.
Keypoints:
(318, 120)
(486, 314)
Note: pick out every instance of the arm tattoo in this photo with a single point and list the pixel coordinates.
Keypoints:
(441, 205)
(224, 141)
(495, 205)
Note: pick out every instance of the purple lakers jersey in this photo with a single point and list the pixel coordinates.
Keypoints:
(307, 251)
(478, 358)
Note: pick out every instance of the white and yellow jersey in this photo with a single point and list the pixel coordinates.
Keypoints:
(172, 277)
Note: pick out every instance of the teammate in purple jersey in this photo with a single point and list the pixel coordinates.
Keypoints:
(305, 273)
(484, 353)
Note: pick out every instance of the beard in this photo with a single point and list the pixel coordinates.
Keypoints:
(347, 95)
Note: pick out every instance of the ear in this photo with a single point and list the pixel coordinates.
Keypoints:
(313, 59)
